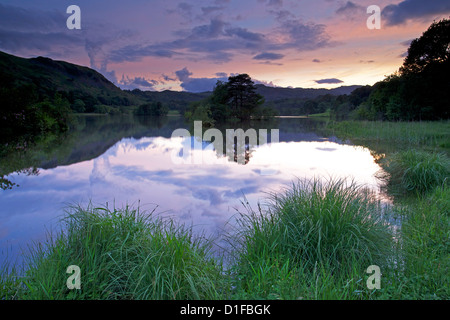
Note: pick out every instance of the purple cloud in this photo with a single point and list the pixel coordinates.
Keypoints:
(328, 81)
(268, 56)
(396, 14)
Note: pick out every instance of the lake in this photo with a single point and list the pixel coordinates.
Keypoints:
(120, 160)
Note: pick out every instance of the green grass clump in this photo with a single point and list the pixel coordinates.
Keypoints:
(415, 171)
(122, 254)
(315, 241)
(426, 244)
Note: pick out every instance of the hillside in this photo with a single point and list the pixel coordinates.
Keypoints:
(276, 93)
(48, 76)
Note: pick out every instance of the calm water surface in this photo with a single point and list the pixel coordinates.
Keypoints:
(125, 160)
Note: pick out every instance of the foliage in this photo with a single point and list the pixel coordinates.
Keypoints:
(235, 99)
(419, 91)
(431, 48)
(152, 109)
(24, 113)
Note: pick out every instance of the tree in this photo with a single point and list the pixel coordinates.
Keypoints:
(242, 97)
(419, 91)
(235, 99)
(218, 102)
(433, 47)
(156, 109)
(79, 106)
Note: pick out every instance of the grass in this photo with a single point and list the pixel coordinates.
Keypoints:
(425, 135)
(415, 171)
(325, 114)
(122, 254)
(174, 113)
(426, 239)
(423, 249)
(315, 241)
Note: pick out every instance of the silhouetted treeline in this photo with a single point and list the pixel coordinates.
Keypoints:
(420, 90)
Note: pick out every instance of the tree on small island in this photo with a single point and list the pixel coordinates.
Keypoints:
(235, 100)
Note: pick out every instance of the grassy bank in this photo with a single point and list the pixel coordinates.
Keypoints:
(425, 135)
(416, 172)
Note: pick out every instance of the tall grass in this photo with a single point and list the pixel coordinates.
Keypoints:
(426, 237)
(423, 249)
(122, 254)
(415, 171)
(425, 134)
(315, 240)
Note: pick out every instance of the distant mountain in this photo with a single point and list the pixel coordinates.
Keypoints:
(277, 93)
(76, 82)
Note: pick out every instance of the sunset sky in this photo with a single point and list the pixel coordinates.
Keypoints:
(188, 45)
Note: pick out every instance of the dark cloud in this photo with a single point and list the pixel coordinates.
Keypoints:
(137, 52)
(245, 34)
(349, 8)
(219, 41)
(211, 9)
(406, 43)
(216, 41)
(128, 83)
(316, 61)
(45, 33)
(212, 30)
(183, 75)
(268, 56)
(168, 78)
(196, 84)
(396, 14)
(207, 84)
(303, 36)
(270, 63)
(328, 81)
(39, 32)
(282, 15)
(275, 3)
(200, 84)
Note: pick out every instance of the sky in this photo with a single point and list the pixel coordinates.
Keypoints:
(188, 45)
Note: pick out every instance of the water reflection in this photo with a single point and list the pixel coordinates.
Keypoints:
(139, 168)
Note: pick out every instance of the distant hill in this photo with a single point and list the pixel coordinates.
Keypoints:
(48, 76)
(76, 82)
(277, 93)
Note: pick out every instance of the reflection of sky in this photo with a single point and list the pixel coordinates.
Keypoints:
(143, 172)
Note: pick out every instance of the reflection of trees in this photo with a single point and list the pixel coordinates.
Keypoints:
(152, 121)
(88, 138)
(237, 145)
(6, 184)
